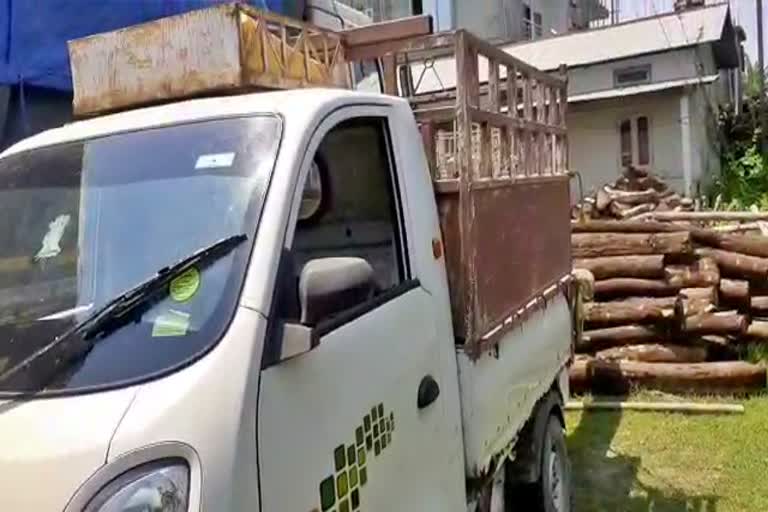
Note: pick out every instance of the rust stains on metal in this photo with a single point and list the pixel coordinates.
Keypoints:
(497, 148)
(227, 48)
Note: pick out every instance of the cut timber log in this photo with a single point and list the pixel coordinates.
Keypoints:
(600, 339)
(681, 407)
(707, 216)
(737, 228)
(655, 353)
(585, 280)
(758, 329)
(704, 273)
(623, 266)
(632, 197)
(727, 322)
(628, 286)
(752, 245)
(709, 294)
(630, 226)
(735, 292)
(759, 305)
(736, 264)
(619, 377)
(592, 245)
(622, 211)
(602, 200)
(698, 306)
(637, 310)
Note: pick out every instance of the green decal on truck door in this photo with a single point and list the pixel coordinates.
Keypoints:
(350, 462)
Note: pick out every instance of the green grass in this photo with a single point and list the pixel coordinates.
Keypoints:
(640, 461)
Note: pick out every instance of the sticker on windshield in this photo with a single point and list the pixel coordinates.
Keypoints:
(171, 323)
(215, 161)
(52, 239)
(185, 286)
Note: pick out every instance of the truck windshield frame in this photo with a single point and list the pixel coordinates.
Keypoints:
(83, 221)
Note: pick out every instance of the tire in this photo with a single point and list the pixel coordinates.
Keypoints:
(542, 495)
(553, 490)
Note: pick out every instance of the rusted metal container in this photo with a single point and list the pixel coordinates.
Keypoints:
(224, 49)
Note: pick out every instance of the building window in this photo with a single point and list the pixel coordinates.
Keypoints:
(532, 23)
(537, 26)
(527, 33)
(632, 76)
(634, 142)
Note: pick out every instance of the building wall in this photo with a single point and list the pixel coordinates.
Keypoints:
(674, 65)
(705, 144)
(593, 131)
(503, 19)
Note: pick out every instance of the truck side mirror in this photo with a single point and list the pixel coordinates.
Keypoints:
(327, 287)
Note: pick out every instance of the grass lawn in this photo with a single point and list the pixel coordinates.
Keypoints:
(640, 461)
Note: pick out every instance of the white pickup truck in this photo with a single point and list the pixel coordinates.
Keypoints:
(280, 301)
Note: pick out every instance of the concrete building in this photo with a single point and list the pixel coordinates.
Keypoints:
(498, 20)
(647, 93)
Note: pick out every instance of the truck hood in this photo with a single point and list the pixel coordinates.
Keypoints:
(51, 446)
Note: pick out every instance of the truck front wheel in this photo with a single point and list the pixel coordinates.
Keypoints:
(553, 490)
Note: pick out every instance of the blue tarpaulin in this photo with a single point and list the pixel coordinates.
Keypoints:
(34, 34)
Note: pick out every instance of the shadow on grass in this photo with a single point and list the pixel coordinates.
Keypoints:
(606, 480)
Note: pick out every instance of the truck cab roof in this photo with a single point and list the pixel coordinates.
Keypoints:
(294, 104)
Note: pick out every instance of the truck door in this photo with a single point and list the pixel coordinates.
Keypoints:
(358, 422)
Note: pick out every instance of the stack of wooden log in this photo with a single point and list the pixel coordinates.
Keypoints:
(667, 304)
(634, 195)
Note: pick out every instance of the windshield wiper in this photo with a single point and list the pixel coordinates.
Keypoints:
(116, 312)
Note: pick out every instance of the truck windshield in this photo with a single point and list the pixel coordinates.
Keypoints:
(82, 222)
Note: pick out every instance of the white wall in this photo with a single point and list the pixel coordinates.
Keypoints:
(675, 65)
(503, 19)
(705, 146)
(594, 137)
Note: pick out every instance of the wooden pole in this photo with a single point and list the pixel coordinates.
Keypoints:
(655, 353)
(598, 339)
(638, 310)
(704, 274)
(759, 305)
(629, 286)
(617, 377)
(682, 407)
(705, 216)
(758, 329)
(736, 264)
(592, 245)
(650, 266)
(753, 245)
(735, 292)
(630, 226)
(728, 322)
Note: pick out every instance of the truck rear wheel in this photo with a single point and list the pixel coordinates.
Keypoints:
(553, 490)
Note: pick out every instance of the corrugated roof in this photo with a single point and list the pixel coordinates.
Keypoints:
(632, 38)
(640, 89)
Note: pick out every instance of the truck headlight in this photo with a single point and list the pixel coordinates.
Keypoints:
(155, 487)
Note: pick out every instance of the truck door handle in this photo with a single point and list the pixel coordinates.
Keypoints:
(429, 390)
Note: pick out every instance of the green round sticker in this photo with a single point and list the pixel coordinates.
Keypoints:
(185, 286)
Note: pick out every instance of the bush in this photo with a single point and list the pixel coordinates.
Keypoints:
(743, 180)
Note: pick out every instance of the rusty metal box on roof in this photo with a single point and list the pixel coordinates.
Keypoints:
(225, 49)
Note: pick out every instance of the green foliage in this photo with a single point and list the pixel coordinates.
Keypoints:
(743, 180)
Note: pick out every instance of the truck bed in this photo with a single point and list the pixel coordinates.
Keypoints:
(500, 390)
